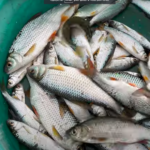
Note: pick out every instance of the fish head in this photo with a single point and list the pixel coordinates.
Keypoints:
(13, 125)
(37, 72)
(79, 133)
(19, 87)
(12, 62)
(11, 82)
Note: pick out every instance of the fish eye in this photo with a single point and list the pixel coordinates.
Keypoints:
(9, 64)
(32, 71)
(9, 82)
(74, 132)
(11, 123)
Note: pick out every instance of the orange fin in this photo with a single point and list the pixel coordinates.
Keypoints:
(132, 84)
(111, 36)
(35, 111)
(99, 139)
(15, 97)
(52, 36)
(121, 44)
(96, 52)
(145, 78)
(56, 133)
(57, 67)
(64, 18)
(134, 49)
(93, 13)
(120, 57)
(31, 50)
(113, 79)
(71, 110)
(27, 93)
(62, 109)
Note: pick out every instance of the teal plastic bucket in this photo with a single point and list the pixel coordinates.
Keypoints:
(14, 14)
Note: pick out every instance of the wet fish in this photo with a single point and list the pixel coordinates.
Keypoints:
(96, 39)
(39, 59)
(128, 43)
(54, 115)
(109, 130)
(66, 54)
(122, 64)
(120, 53)
(122, 27)
(50, 56)
(105, 51)
(22, 111)
(110, 12)
(17, 76)
(143, 4)
(31, 137)
(70, 83)
(18, 93)
(145, 72)
(33, 38)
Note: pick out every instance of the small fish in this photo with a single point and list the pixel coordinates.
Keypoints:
(96, 39)
(22, 111)
(109, 12)
(71, 83)
(109, 130)
(122, 27)
(50, 56)
(33, 38)
(128, 43)
(143, 4)
(32, 138)
(120, 53)
(66, 54)
(17, 76)
(39, 59)
(122, 64)
(18, 93)
(105, 52)
(145, 72)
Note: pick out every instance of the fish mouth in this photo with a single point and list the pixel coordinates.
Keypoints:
(10, 124)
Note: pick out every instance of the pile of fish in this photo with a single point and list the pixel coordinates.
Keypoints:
(77, 62)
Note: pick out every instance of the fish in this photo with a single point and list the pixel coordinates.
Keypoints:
(50, 55)
(148, 62)
(104, 52)
(66, 54)
(145, 122)
(33, 38)
(18, 92)
(120, 53)
(70, 83)
(128, 43)
(124, 28)
(142, 4)
(32, 138)
(134, 73)
(138, 117)
(39, 59)
(124, 76)
(22, 111)
(79, 110)
(54, 115)
(110, 12)
(91, 10)
(17, 76)
(121, 64)
(96, 39)
(79, 39)
(109, 130)
(134, 146)
(145, 72)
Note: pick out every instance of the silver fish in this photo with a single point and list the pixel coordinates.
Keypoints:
(110, 12)
(31, 137)
(33, 38)
(134, 73)
(18, 93)
(54, 115)
(122, 27)
(120, 53)
(128, 43)
(122, 64)
(145, 72)
(39, 59)
(143, 4)
(105, 52)
(109, 130)
(66, 54)
(50, 56)
(22, 111)
(70, 83)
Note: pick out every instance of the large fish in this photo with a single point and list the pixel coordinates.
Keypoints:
(54, 115)
(33, 38)
(122, 64)
(128, 43)
(104, 53)
(110, 12)
(66, 54)
(109, 130)
(70, 83)
(22, 111)
(122, 27)
(31, 137)
(143, 4)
